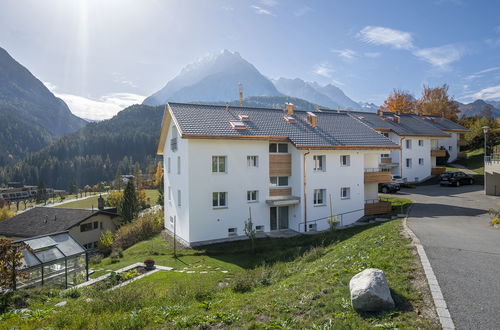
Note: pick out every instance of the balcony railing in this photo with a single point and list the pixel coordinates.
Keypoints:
(173, 144)
(377, 175)
(438, 170)
(492, 158)
(376, 206)
(438, 153)
(386, 160)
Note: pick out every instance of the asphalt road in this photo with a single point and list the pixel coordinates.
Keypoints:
(463, 249)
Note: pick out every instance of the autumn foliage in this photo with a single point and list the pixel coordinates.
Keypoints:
(10, 262)
(399, 102)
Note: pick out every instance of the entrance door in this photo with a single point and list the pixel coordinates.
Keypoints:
(279, 217)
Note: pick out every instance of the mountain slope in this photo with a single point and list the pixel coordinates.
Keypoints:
(94, 153)
(214, 78)
(329, 95)
(274, 102)
(478, 108)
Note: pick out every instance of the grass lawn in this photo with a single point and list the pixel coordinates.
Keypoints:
(90, 202)
(474, 161)
(299, 282)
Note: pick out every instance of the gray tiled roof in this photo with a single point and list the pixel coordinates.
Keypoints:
(409, 124)
(443, 123)
(333, 129)
(44, 220)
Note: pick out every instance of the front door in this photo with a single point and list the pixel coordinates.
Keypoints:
(279, 217)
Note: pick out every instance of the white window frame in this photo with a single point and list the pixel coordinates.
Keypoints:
(420, 161)
(449, 148)
(178, 164)
(169, 193)
(179, 204)
(259, 228)
(317, 194)
(409, 162)
(218, 164)
(277, 184)
(219, 206)
(420, 143)
(250, 193)
(278, 148)
(347, 163)
(345, 193)
(168, 165)
(253, 161)
(408, 143)
(232, 231)
(319, 163)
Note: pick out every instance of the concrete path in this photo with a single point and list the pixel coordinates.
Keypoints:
(452, 224)
(75, 199)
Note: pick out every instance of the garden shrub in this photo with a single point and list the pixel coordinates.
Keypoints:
(105, 242)
(495, 221)
(243, 282)
(138, 230)
(71, 293)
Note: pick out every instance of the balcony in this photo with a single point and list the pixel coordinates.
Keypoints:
(280, 164)
(173, 144)
(377, 175)
(386, 160)
(375, 206)
(438, 170)
(438, 153)
(274, 192)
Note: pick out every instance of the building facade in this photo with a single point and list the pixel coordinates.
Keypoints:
(284, 169)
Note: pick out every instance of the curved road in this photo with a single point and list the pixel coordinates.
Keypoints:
(463, 249)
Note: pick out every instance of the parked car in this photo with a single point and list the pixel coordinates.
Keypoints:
(388, 187)
(455, 178)
(397, 179)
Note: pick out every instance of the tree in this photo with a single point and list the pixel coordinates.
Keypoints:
(115, 199)
(436, 102)
(142, 199)
(158, 176)
(41, 192)
(11, 260)
(105, 242)
(399, 101)
(250, 230)
(72, 188)
(6, 213)
(130, 205)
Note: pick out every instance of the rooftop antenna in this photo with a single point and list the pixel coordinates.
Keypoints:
(240, 86)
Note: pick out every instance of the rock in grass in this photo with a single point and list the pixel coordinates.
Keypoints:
(370, 291)
(62, 303)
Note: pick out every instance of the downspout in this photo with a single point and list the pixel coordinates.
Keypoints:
(401, 158)
(305, 191)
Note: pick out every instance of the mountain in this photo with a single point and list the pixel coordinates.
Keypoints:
(496, 104)
(30, 115)
(368, 107)
(478, 108)
(212, 79)
(96, 152)
(274, 102)
(329, 95)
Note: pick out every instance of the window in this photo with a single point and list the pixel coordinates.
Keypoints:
(253, 161)
(408, 162)
(345, 160)
(319, 197)
(278, 148)
(345, 193)
(178, 198)
(420, 161)
(168, 164)
(319, 163)
(96, 225)
(218, 164)
(171, 220)
(449, 148)
(385, 155)
(169, 193)
(259, 229)
(408, 144)
(252, 196)
(420, 143)
(232, 231)
(219, 199)
(178, 165)
(385, 134)
(279, 181)
(86, 227)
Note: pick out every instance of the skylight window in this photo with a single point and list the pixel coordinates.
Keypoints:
(238, 124)
(244, 117)
(289, 119)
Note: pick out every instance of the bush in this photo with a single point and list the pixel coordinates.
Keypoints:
(243, 282)
(71, 293)
(495, 221)
(138, 230)
(105, 242)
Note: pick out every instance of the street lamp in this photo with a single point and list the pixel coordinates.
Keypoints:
(485, 131)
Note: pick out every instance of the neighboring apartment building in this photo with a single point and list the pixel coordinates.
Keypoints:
(455, 141)
(419, 141)
(283, 166)
(492, 175)
(85, 226)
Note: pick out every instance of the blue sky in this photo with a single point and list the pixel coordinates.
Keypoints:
(105, 54)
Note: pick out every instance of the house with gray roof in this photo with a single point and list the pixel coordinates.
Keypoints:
(286, 169)
(85, 226)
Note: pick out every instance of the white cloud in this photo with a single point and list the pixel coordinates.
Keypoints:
(372, 54)
(50, 86)
(104, 108)
(439, 56)
(324, 70)
(269, 3)
(261, 11)
(481, 73)
(378, 35)
(486, 93)
(497, 29)
(493, 42)
(347, 54)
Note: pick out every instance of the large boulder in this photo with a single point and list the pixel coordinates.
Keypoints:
(370, 291)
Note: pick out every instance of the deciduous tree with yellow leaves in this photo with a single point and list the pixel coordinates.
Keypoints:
(399, 101)
(436, 102)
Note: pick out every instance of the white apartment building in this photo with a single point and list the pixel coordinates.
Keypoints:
(286, 169)
(421, 139)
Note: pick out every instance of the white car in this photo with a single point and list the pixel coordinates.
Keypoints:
(398, 179)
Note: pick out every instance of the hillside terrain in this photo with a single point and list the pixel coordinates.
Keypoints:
(480, 108)
(30, 115)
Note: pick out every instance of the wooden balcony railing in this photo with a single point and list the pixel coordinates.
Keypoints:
(438, 153)
(377, 175)
(375, 206)
(280, 164)
(438, 170)
(273, 192)
(386, 160)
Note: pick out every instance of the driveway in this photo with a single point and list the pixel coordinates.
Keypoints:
(463, 249)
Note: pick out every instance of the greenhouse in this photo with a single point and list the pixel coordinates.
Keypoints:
(54, 260)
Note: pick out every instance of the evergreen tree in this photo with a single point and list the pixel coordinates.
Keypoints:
(130, 205)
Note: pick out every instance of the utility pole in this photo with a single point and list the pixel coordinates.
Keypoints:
(240, 86)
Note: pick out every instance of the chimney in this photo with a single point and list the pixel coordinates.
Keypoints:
(289, 109)
(100, 203)
(312, 119)
(397, 119)
(380, 113)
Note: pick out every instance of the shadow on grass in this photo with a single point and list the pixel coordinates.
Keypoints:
(402, 305)
(272, 250)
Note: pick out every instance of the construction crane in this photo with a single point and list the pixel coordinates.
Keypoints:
(240, 85)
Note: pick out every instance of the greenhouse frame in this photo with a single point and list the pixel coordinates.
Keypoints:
(55, 260)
